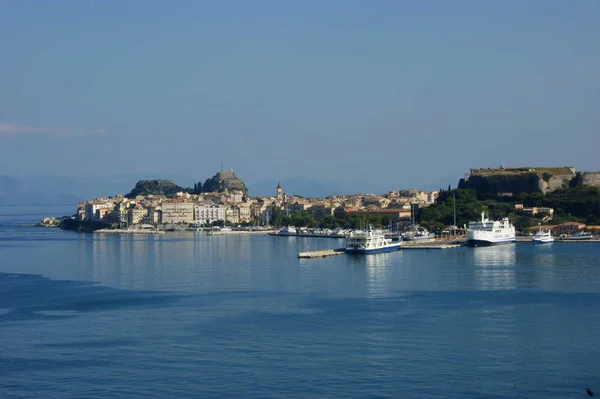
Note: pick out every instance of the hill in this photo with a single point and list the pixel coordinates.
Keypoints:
(517, 180)
(222, 181)
(167, 188)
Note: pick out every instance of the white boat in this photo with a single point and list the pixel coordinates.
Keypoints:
(542, 237)
(288, 231)
(370, 242)
(582, 235)
(418, 233)
(490, 232)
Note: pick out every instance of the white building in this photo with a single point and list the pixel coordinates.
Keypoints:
(96, 210)
(207, 214)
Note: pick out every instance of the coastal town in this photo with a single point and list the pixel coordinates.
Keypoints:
(222, 205)
(235, 208)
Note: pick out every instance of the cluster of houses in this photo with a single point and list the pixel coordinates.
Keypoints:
(236, 208)
(545, 214)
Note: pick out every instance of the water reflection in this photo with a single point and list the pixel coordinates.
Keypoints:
(376, 270)
(495, 267)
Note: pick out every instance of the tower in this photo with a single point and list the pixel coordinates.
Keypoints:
(279, 191)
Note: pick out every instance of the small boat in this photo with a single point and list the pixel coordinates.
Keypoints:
(288, 231)
(582, 235)
(542, 237)
(417, 233)
(370, 242)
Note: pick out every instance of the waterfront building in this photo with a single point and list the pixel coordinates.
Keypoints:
(244, 213)
(568, 228)
(119, 213)
(177, 211)
(205, 214)
(136, 215)
(232, 215)
(258, 208)
(97, 210)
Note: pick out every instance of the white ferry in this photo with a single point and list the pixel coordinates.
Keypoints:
(370, 242)
(542, 237)
(490, 232)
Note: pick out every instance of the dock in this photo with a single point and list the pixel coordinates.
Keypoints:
(440, 244)
(321, 253)
(127, 231)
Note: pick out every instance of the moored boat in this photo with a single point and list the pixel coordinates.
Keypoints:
(417, 233)
(370, 242)
(581, 235)
(288, 231)
(490, 232)
(542, 237)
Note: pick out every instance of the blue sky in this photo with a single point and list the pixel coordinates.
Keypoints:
(405, 92)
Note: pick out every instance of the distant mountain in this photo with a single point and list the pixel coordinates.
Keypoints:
(312, 188)
(27, 192)
(52, 190)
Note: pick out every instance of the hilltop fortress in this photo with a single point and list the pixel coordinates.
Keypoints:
(514, 181)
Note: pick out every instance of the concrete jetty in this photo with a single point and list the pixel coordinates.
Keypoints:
(321, 253)
(434, 244)
(127, 231)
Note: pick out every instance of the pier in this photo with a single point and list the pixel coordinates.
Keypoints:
(433, 245)
(321, 253)
(126, 231)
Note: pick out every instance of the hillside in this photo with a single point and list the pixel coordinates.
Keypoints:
(517, 180)
(222, 181)
(155, 187)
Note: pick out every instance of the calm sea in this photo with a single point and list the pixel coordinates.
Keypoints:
(186, 315)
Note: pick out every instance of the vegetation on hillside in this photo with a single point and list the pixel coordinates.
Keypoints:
(569, 204)
(155, 187)
(219, 183)
(304, 219)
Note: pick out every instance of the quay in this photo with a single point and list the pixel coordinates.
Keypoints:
(237, 232)
(275, 233)
(433, 245)
(321, 253)
(127, 231)
(530, 239)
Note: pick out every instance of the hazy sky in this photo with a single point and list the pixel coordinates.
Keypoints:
(398, 91)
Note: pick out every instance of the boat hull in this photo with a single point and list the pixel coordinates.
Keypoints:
(362, 251)
(581, 238)
(542, 241)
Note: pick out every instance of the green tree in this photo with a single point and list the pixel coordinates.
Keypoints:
(276, 216)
